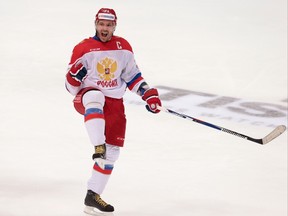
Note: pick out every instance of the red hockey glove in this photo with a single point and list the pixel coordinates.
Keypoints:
(152, 99)
(78, 73)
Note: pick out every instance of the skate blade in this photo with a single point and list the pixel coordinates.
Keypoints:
(94, 211)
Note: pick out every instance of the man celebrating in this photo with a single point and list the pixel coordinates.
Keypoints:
(100, 70)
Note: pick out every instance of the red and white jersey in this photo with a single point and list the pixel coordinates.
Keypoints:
(111, 67)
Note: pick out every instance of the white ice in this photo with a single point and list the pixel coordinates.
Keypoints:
(169, 166)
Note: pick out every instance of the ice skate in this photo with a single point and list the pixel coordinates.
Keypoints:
(94, 205)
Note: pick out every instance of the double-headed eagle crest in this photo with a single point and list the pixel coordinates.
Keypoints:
(106, 68)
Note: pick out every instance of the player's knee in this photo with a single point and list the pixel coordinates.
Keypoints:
(93, 99)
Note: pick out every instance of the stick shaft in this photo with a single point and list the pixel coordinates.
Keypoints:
(275, 133)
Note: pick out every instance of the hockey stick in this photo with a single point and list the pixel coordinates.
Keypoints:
(275, 133)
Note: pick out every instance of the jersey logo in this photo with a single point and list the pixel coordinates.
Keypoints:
(118, 44)
(106, 68)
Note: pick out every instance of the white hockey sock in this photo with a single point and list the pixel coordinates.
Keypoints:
(93, 102)
(99, 178)
(102, 169)
(95, 126)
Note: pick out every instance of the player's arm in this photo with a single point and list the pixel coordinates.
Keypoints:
(149, 95)
(136, 83)
(76, 72)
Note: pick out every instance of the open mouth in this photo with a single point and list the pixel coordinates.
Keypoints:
(104, 34)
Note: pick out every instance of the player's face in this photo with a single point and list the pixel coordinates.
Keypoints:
(105, 29)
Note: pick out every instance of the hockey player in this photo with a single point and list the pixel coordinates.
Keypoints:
(100, 70)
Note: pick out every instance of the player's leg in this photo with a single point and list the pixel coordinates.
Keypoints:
(90, 103)
(100, 175)
(94, 101)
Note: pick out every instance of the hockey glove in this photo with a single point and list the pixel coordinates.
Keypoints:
(78, 72)
(152, 99)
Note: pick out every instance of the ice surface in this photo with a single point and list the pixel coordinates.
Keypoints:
(169, 166)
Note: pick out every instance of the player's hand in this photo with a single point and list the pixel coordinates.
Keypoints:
(78, 72)
(152, 99)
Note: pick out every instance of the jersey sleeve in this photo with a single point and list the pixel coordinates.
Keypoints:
(71, 84)
(132, 74)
